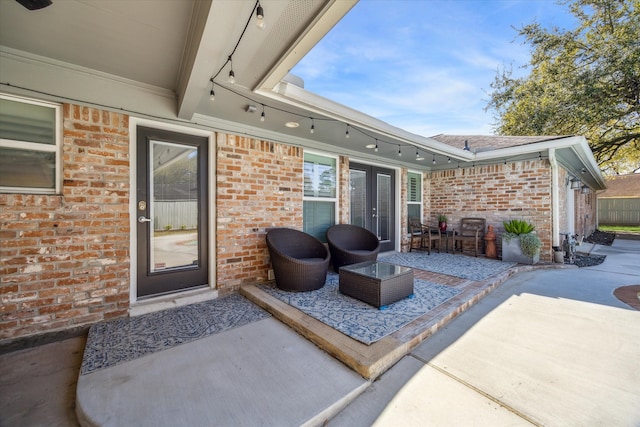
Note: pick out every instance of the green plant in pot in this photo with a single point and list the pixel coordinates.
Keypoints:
(442, 223)
(520, 243)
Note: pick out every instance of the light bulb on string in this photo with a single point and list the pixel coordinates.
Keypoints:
(346, 134)
(399, 151)
(262, 116)
(212, 94)
(260, 17)
(313, 126)
(232, 75)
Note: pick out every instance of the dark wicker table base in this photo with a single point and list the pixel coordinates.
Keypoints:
(377, 291)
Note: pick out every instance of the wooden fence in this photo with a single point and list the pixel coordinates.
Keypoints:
(175, 215)
(619, 211)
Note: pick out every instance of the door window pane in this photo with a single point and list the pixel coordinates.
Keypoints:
(358, 185)
(174, 207)
(383, 210)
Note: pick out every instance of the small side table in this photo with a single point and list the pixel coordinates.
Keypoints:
(376, 283)
(448, 236)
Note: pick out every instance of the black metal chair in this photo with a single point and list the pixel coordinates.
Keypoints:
(300, 261)
(351, 244)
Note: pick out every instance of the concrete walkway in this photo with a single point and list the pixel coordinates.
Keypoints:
(547, 348)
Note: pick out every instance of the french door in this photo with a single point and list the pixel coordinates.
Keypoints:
(373, 202)
(171, 211)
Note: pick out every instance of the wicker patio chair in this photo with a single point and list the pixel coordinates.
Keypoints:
(471, 230)
(300, 261)
(351, 244)
(424, 235)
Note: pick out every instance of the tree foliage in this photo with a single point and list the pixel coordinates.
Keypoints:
(584, 81)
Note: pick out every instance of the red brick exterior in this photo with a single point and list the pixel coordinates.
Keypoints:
(65, 258)
(259, 185)
(498, 193)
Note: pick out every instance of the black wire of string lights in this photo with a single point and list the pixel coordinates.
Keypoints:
(260, 22)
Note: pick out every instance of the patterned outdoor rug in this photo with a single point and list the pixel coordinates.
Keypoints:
(358, 319)
(462, 266)
(113, 342)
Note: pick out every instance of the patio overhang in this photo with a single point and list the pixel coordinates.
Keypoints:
(157, 62)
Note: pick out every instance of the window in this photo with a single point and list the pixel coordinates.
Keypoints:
(29, 146)
(414, 196)
(319, 201)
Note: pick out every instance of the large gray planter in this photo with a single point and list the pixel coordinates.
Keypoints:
(511, 252)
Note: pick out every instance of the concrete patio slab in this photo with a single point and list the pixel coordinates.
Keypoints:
(415, 394)
(552, 347)
(258, 374)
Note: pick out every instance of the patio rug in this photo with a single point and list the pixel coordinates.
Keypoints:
(121, 340)
(462, 266)
(357, 319)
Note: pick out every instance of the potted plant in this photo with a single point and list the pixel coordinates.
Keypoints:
(442, 223)
(519, 242)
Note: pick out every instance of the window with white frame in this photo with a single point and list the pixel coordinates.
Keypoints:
(29, 146)
(414, 196)
(320, 194)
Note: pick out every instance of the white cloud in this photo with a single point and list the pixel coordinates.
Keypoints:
(421, 66)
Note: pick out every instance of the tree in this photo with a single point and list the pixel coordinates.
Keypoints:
(581, 82)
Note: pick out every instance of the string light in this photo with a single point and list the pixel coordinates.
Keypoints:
(376, 149)
(399, 151)
(346, 134)
(262, 116)
(418, 155)
(449, 160)
(434, 159)
(260, 17)
(212, 94)
(232, 75)
(313, 127)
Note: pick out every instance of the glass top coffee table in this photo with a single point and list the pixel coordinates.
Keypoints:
(376, 283)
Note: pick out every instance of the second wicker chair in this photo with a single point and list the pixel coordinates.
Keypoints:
(350, 244)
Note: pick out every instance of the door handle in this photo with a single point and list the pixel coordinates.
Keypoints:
(142, 219)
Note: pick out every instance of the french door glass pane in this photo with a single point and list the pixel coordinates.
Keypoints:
(383, 210)
(174, 206)
(358, 185)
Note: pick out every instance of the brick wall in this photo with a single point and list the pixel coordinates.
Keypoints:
(259, 185)
(65, 258)
(499, 192)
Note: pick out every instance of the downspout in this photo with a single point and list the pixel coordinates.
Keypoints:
(555, 198)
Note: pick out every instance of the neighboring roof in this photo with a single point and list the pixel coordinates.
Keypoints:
(479, 143)
(622, 186)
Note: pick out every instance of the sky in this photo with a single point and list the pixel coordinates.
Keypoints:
(425, 66)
